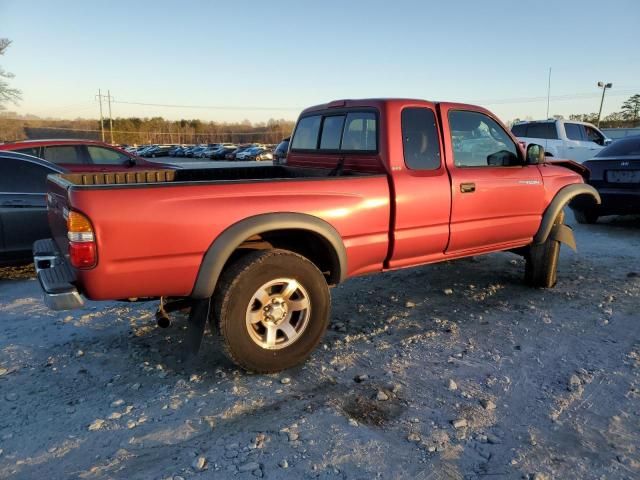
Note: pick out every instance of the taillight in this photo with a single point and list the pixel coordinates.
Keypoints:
(82, 242)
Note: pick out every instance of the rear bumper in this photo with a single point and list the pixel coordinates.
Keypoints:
(56, 277)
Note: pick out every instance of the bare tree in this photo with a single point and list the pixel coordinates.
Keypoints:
(631, 108)
(7, 94)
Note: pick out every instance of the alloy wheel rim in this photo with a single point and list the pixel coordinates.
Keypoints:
(278, 313)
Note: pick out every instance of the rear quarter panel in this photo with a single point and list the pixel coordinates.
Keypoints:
(151, 239)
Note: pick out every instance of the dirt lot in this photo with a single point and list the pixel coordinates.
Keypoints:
(448, 371)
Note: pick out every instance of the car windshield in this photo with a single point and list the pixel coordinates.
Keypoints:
(624, 147)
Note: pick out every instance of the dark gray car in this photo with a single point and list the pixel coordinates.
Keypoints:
(23, 204)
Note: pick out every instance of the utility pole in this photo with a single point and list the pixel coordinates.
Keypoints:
(604, 87)
(549, 92)
(101, 117)
(110, 119)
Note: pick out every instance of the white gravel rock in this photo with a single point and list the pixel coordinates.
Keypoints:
(199, 463)
(97, 424)
(381, 396)
(459, 423)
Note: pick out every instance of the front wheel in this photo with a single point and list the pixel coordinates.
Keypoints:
(272, 308)
(541, 268)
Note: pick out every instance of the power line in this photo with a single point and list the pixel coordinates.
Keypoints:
(208, 107)
(574, 96)
(485, 102)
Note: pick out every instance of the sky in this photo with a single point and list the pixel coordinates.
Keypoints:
(255, 60)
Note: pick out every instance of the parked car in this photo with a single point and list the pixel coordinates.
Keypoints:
(222, 152)
(81, 155)
(344, 205)
(195, 151)
(161, 151)
(615, 173)
(260, 154)
(174, 150)
(23, 205)
(280, 152)
(144, 149)
(569, 139)
(207, 152)
(180, 152)
(241, 148)
(249, 153)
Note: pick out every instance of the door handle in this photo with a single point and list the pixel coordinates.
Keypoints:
(467, 187)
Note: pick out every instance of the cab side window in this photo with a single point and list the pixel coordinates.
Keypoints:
(106, 156)
(420, 139)
(479, 141)
(62, 154)
(574, 131)
(593, 135)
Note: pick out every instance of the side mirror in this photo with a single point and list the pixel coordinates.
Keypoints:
(607, 141)
(535, 154)
(131, 162)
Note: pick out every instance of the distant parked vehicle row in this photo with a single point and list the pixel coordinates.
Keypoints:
(216, 151)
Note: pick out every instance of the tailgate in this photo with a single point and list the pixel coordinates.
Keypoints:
(58, 209)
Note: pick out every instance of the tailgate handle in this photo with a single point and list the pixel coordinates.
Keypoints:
(467, 187)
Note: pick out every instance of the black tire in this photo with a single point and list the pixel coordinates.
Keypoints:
(541, 268)
(235, 291)
(586, 217)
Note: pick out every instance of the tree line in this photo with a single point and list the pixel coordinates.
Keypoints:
(156, 130)
(627, 117)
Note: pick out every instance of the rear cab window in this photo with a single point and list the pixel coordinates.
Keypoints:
(306, 135)
(351, 131)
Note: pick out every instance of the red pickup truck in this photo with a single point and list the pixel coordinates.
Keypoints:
(369, 186)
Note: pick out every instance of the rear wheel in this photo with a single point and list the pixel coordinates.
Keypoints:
(272, 308)
(542, 261)
(586, 216)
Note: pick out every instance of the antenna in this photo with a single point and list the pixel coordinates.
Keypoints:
(549, 92)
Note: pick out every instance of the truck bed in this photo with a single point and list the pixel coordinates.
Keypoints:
(153, 227)
(181, 177)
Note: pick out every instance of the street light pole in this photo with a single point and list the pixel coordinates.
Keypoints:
(604, 87)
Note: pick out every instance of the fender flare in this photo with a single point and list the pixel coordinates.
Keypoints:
(230, 239)
(562, 198)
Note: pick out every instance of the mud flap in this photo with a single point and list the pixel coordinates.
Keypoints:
(563, 234)
(195, 331)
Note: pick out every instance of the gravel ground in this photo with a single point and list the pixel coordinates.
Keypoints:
(449, 371)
